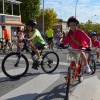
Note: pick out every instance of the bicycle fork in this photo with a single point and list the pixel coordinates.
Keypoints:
(18, 59)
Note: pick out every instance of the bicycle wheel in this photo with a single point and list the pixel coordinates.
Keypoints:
(50, 62)
(15, 65)
(68, 88)
(92, 65)
(81, 72)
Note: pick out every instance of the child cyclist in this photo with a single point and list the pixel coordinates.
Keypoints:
(96, 44)
(35, 37)
(77, 39)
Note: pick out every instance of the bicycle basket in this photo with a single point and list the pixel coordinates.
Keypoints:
(74, 54)
(93, 50)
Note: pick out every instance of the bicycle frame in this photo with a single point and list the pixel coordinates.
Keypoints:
(75, 65)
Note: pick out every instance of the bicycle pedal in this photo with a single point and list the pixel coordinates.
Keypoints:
(36, 68)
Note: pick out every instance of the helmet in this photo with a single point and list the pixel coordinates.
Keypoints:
(93, 34)
(31, 22)
(72, 19)
(3, 26)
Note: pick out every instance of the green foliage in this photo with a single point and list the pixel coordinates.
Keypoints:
(29, 9)
(89, 26)
(50, 17)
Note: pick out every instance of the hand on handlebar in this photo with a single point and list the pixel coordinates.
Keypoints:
(86, 49)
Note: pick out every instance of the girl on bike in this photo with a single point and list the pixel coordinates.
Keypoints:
(20, 37)
(35, 37)
(78, 39)
(96, 44)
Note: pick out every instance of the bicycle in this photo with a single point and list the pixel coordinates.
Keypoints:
(92, 62)
(3, 45)
(57, 43)
(75, 70)
(17, 59)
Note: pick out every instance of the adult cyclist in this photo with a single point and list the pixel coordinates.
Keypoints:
(78, 39)
(50, 34)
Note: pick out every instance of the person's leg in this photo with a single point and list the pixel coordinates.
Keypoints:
(52, 43)
(5, 46)
(36, 51)
(10, 46)
(98, 55)
(88, 59)
(84, 59)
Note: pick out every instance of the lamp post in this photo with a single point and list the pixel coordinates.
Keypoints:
(92, 17)
(65, 16)
(60, 13)
(43, 18)
(76, 7)
(95, 19)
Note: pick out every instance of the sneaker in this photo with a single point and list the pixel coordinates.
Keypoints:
(97, 61)
(39, 59)
(87, 68)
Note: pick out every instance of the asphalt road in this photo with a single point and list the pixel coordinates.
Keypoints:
(37, 85)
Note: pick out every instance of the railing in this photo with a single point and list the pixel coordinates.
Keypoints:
(12, 18)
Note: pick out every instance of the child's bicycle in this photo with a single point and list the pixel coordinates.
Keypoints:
(16, 64)
(75, 70)
(92, 62)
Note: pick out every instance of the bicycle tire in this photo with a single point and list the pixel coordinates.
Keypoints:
(49, 61)
(81, 72)
(68, 88)
(92, 65)
(13, 72)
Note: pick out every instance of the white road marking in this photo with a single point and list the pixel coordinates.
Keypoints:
(89, 89)
(31, 89)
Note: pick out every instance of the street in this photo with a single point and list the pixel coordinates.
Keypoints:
(37, 85)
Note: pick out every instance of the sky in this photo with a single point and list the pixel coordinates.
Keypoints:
(85, 9)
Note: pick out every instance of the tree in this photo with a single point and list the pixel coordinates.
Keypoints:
(30, 9)
(50, 17)
(89, 26)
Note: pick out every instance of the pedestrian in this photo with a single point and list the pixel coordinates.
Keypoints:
(78, 39)
(7, 37)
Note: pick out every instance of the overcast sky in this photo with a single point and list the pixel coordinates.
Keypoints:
(86, 9)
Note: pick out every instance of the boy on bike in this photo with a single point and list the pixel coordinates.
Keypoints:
(35, 37)
(96, 44)
(78, 39)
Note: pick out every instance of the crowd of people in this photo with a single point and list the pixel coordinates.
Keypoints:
(76, 37)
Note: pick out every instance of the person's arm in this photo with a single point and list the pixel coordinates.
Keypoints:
(66, 39)
(86, 38)
(31, 38)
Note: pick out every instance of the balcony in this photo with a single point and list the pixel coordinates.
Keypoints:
(12, 20)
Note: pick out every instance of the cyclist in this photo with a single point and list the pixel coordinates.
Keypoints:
(35, 37)
(50, 34)
(20, 37)
(7, 37)
(78, 39)
(95, 43)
